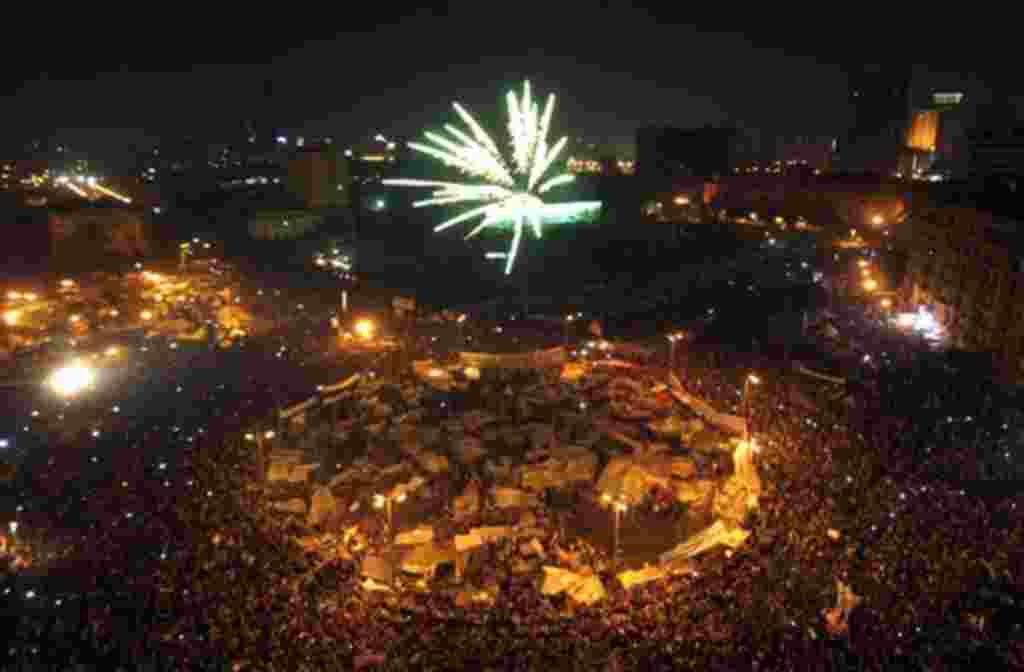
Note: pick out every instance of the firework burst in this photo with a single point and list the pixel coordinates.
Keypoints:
(508, 191)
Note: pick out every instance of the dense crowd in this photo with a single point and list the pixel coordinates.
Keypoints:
(208, 578)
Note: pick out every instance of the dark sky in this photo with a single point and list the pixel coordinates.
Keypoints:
(103, 83)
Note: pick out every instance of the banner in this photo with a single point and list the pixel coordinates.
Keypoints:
(337, 387)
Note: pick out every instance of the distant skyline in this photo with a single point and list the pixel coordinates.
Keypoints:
(613, 70)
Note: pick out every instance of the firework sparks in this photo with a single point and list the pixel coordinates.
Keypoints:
(511, 190)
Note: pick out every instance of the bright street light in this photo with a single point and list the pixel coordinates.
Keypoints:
(387, 502)
(751, 379)
(72, 379)
(870, 285)
(365, 329)
(618, 506)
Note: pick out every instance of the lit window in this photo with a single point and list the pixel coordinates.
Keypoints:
(947, 98)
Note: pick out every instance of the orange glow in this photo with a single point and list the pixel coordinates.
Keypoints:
(924, 130)
(365, 329)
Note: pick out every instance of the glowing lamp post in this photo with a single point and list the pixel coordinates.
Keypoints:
(185, 249)
(751, 379)
(71, 380)
(569, 319)
(886, 306)
(618, 506)
(365, 329)
(387, 503)
(261, 453)
(459, 322)
(673, 339)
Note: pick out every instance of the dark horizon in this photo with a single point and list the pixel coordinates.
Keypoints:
(613, 70)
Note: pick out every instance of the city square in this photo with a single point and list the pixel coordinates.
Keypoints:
(519, 379)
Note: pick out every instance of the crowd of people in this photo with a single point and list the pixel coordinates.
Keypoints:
(202, 575)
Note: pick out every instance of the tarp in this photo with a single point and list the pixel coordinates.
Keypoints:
(730, 423)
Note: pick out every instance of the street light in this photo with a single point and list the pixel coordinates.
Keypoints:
(261, 453)
(365, 329)
(751, 379)
(70, 380)
(459, 322)
(618, 506)
(186, 249)
(387, 502)
(673, 338)
(569, 319)
(870, 285)
(11, 317)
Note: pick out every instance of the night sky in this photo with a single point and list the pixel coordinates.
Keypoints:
(106, 84)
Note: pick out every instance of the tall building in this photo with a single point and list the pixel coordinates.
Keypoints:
(319, 177)
(966, 263)
(374, 159)
(880, 106)
(997, 145)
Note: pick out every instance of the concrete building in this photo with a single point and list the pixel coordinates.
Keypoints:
(967, 265)
(319, 177)
(374, 159)
(998, 153)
